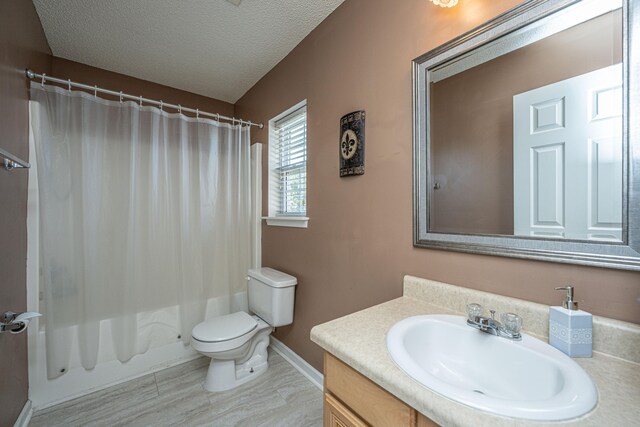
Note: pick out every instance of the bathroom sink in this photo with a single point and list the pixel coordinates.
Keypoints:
(526, 379)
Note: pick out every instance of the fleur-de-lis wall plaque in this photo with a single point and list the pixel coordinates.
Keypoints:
(352, 144)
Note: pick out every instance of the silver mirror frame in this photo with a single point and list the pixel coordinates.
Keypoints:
(624, 255)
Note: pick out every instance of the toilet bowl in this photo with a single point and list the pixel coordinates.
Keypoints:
(237, 342)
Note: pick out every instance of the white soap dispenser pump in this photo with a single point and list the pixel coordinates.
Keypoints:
(570, 329)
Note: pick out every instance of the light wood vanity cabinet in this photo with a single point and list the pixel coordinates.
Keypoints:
(338, 415)
(352, 400)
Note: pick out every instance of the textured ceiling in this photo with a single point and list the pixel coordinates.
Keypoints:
(209, 47)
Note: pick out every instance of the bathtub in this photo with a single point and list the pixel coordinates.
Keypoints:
(159, 344)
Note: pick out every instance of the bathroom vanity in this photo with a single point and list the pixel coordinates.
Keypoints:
(365, 403)
(363, 386)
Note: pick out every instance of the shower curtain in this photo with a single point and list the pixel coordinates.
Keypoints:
(139, 210)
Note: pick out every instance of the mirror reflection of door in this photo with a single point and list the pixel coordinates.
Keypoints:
(568, 158)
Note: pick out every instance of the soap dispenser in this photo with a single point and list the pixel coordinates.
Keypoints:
(570, 329)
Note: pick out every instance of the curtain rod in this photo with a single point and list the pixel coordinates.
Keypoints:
(44, 78)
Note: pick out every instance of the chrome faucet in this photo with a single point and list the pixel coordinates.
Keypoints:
(509, 328)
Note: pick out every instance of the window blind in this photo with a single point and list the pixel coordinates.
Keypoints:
(290, 167)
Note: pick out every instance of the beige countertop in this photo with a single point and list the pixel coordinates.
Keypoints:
(358, 339)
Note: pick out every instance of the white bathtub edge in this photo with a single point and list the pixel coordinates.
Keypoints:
(79, 382)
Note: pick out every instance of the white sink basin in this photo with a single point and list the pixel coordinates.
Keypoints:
(526, 379)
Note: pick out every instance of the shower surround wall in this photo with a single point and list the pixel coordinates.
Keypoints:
(359, 242)
(22, 45)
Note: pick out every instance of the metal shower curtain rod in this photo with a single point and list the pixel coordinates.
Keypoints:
(44, 78)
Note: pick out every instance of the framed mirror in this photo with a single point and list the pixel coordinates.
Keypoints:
(527, 136)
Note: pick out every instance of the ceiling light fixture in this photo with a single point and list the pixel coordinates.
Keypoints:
(445, 3)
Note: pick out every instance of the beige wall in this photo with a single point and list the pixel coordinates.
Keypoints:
(477, 159)
(359, 242)
(65, 69)
(22, 45)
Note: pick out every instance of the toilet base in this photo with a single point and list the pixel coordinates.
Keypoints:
(226, 375)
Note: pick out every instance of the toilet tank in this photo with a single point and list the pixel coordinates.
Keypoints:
(271, 294)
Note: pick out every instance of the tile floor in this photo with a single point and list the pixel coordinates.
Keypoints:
(281, 397)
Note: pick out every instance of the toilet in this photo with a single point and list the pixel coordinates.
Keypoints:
(237, 342)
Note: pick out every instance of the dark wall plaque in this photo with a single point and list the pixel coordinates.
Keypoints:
(352, 144)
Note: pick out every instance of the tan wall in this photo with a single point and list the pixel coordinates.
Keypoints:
(478, 194)
(359, 242)
(65, 69)
(22, 45)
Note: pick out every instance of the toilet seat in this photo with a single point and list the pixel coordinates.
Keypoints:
(224, 328)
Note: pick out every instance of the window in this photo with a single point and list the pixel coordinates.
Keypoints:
(288, 168)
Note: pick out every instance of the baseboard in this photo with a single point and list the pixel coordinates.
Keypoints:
(25, 415)
(298, 362)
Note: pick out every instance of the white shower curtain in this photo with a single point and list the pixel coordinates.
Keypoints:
(139, 210)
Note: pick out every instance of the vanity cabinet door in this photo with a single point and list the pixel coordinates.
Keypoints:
(376, 406)
(351, 399)
(338, 415)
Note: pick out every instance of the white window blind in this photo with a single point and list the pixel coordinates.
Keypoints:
(288, 165)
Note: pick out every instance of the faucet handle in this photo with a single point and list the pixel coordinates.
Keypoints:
(474, 310)
(511, 322)
(493, 314)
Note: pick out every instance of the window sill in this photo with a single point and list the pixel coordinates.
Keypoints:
(287, 221)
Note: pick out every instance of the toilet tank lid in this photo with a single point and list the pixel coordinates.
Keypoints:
(273, 278)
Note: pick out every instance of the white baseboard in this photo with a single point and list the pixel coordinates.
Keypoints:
(25, 415)
(298, 362)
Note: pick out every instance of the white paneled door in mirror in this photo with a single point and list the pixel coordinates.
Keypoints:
(567, 147)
